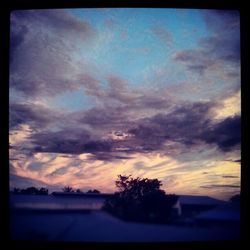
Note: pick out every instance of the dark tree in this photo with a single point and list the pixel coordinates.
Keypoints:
(141, 200)
(29, 190)
(43, 191)
(68, 189)
(78, 190)
(94, 191)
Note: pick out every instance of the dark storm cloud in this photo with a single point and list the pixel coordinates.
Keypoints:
(42, 44)
(34, 115)
(76, 142)
(188, 125)
(85, 134)
(69, 141)
(182, 125)
(222, 46)
(226, 134)
(98, 146)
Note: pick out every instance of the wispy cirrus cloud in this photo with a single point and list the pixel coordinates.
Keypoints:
(83, 171)
(220, 186)
(164, 34)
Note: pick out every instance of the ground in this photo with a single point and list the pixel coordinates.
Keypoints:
(98, 226)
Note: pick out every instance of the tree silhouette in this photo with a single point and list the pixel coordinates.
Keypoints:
(29, 190)
(68, 189)
(94, 191)
(43, 191)
(32, 190)
(140, 199)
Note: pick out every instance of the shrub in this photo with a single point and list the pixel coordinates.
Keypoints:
(68, 189)
(94, 191)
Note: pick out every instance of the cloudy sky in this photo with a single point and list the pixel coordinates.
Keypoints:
(154, 93)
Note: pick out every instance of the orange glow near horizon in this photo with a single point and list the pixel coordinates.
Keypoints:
(80, 171)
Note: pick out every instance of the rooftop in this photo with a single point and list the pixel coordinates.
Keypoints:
(199, 200)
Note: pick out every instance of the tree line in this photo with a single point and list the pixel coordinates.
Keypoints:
(45, 191)
(68, 189)
(31, 190)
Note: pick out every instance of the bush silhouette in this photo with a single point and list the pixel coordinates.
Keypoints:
(31, 190)
(94, 191)
(68, 189)
(140, 200)
(43, 191)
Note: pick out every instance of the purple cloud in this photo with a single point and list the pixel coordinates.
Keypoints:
(42, 45)
(187, 125)
(68, 141)
(223, 46)
(34, 115)
(226, 134)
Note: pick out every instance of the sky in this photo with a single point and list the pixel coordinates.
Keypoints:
(155, 93)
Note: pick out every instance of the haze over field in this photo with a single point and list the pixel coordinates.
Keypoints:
(154, 93)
